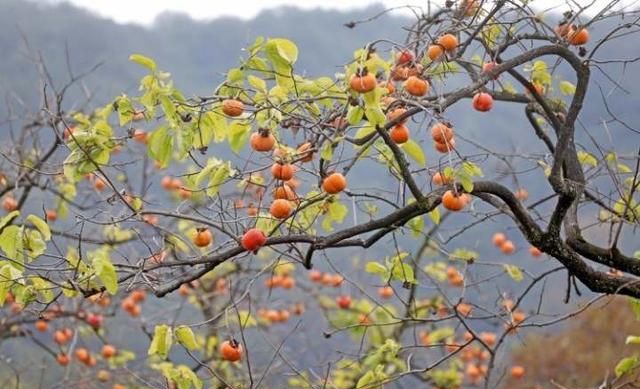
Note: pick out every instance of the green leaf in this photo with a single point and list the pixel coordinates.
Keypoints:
(125, 110)
(282, 50)
(416, 225)
(160, 145)
(44, 289)
(375, 116)
(355, 115)
(161, 342)
(466, 182)
(8, 277)
(218, 178)
(8, 218)
(234, 76)
(632, 340)
(626, 365)
(587, 159)
(185, 337)
(327, 151)
(414, 150)
(622, 168)
(238, 135)
(246, 320)
(144, 61)
(514, 272)
(540, 73)
(257, 83)
(41, 225)
(366, 380)
(435, 216)
(11, 242)
(106, 271)
(375, 268)
(567, 88)
(210, 124)
(186, 377)
(464, 254)
(471, 169)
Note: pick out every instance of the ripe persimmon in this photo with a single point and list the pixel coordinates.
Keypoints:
(42, 325)
(441, 179)
(521, 194)
(232, 107)
(488, 67)
(176, 184)
(253, 239)
(66, 134)
(518, 317)
(452, 201)
(231, 350)
(578, 36)
(63, 359)
(445, 147)
(305, 152)
(517, 371)
(508, 247)
(336, 280)
(343, 301)
(385, 292)
(140, 136)
(416, 86)
(99, 184)
(399, 73)
(202, 237)
(441, 132)
(280, 208)
(448, 42)
(108, 351)
(498, 239)
(315, 275)
(288, 282)
(388, 85)
(262, 140)
(51, 215)
(282, 171)
(534, 251)
(284, 192)
(334, 183)
(489, 338)
(464, 309)
(404, 57)
(391, 115)
(60, 337)
(82, 354)
(399, 133)
(9, 204)
(482, 102)
(138, 295)
(434, 52)
(363, 83)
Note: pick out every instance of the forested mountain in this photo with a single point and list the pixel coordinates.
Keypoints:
(195, 52)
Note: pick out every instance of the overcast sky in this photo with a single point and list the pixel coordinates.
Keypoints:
(144, 11)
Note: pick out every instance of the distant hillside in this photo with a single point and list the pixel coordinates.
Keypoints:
(196, 53)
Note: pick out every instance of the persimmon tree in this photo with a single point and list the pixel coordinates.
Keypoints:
(253, 203)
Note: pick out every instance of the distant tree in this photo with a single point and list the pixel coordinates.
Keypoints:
(323, 169)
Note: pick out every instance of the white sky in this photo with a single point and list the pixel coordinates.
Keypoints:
(145, 11)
